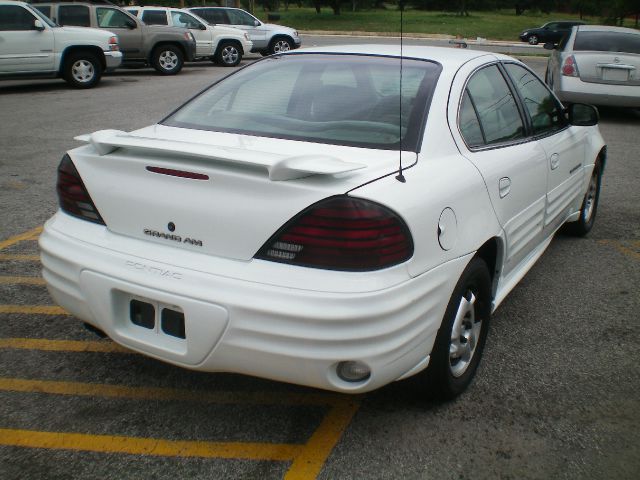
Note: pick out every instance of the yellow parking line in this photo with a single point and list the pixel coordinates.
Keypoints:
(30, 235)
(148, 446)
(21, 281)
(167, 394)
(33, 309)
(62, 345)
(19, 257)
(314, 453)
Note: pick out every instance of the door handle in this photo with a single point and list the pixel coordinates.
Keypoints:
(504, 186)
(554, 161)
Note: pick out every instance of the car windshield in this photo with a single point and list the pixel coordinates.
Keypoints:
(43, 17)
(607, 42)
(326, 98)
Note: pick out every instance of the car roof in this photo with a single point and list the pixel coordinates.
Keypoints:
(606, 28)
(451, 57)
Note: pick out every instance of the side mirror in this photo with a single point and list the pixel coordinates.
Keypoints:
(256, 23)
(130, 24)
(583, 115)
(38, 25)
(549, 46)
(202, 26)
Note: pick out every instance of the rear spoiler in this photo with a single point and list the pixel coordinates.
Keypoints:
(279, 167)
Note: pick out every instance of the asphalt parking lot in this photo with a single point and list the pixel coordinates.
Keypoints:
(556, 396)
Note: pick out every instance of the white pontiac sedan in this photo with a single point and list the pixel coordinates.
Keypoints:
(302, 221)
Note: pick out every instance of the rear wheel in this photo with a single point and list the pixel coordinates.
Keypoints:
(589, 206)
(462, 335)
(82, 70)
(167, 59)
(279, 45)
(228, 54)
(533, 40)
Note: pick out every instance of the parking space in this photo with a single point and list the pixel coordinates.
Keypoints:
(555, 396)
(314, 421)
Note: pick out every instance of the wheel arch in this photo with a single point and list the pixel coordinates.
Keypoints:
(224, 41)
(93, 49)
(163, 43)
(492, 252)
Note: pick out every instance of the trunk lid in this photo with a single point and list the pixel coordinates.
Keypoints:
(615, 68)
(217, 193)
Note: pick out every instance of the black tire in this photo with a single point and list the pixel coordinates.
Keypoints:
(229, 54)
(167, 59)
(589, 206)
(82, 70)
(533, 40)
(454, 361)
(279, 45)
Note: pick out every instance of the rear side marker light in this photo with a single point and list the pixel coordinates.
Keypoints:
(341, 233)
(72, 194)
(569, 67)
(178, 173)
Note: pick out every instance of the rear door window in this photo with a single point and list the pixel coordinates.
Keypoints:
(155, 17)
(495, 106)
(75, 15)
(607, 42)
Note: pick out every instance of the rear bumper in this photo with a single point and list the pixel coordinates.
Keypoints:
(574, 90)
(287, 334)
(112, 60)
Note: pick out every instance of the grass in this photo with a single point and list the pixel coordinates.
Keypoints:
(497, 25)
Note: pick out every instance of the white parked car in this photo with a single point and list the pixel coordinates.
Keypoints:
(32, 46)
(315, 235)
(224, 45)
(267, 38)
(596, 64)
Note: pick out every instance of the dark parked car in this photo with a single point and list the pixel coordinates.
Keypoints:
(549, 32)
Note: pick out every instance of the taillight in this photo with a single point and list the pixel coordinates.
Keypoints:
(113, 44)
(569, 67)
(72, 194)
(341, 233)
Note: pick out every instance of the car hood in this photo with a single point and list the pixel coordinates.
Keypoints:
(242, 190)
(224, 30)
(87, 32)
(273, 26)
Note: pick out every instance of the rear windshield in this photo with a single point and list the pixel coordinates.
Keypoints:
(336, 99)
(607, 42)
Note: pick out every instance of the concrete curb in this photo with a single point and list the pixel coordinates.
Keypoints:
(421, 36)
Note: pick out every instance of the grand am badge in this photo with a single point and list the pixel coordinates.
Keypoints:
(172, 237)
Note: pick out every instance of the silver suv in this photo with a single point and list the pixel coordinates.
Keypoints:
(267, 38)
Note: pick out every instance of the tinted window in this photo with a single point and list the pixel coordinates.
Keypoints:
(469, 124)
(545, 113)
(154, 17)
(336, 99)
(238, 17)
(77, 15)
(495, 105)
(607, 42)
(112, 18)
(212, 15)
(14, 17)
(44, 9)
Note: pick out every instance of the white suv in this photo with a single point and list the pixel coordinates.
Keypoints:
(223, 45)
(32, 46)
(267, 38)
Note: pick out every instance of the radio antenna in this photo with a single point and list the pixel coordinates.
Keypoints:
(400, 176)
